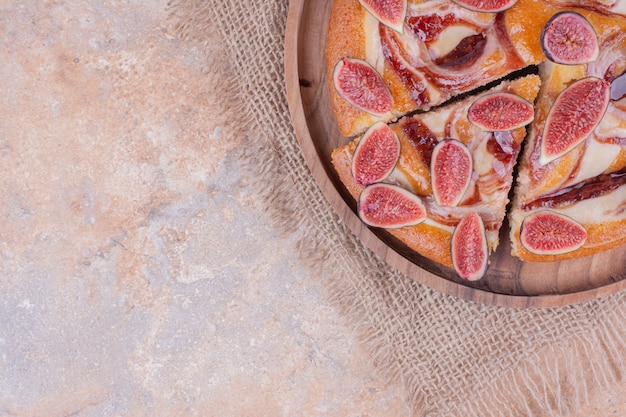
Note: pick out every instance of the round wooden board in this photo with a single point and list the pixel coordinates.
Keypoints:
(508, 282)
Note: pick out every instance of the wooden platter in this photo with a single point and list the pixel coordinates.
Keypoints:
(508, 282)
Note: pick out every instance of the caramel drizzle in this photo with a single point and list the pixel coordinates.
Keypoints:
(589, 188)
(466, 52)
(420, 136)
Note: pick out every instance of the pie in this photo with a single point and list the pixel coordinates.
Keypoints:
(446, 58)
(589, 182)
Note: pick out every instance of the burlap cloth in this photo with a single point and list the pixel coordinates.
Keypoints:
(455, 358)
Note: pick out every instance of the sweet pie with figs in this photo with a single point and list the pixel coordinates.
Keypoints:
(464, 115)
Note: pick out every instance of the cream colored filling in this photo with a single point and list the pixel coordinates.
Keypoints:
(373, 50)
(435, 121)
(449, 38)
(483, 159)
(613, 124)
(607, 208)
(619, 7)
(597, 159)
(431, 222)
(398, 177)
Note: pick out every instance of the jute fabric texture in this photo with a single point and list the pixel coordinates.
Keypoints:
(455, 358)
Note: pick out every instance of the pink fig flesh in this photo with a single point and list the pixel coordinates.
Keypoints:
(450, 171)
(389, 206)
(568, 38)
(389, 12)
(547, 232)
(497, 112)
(490, 6)
(470, 252)
(574, 115)
(362, 86)
(376, 154)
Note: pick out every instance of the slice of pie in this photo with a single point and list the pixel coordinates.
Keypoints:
(584, 190)
(444, 50)
(493, 155)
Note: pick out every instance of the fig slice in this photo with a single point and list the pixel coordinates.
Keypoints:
(362, 86)
(574, 115)
(547, 232)
(390, 13)
(450, 171)
(490, 6)
(376, 154)
(389, 206)
(497, 112)
(568, 38)
(470, 252)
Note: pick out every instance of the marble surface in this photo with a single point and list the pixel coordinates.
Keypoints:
(139, 275)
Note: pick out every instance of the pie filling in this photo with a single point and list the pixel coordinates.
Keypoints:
(584, 190)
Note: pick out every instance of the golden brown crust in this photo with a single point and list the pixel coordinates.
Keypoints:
(342, 159)
(600, 238)
(525, 23)
(345, 38)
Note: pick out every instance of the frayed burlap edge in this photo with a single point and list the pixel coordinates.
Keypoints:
(559, 379)
(523, 362)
